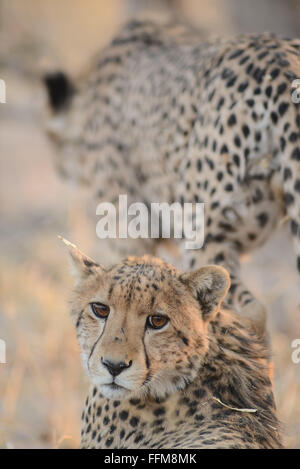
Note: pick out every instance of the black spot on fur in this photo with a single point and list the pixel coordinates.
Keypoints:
(159, 411)
(296, 154)
(108, 442)
(243, 86)
(105, 421)
(262, 219)
(134, 402)
(245, 130)
(287, 174)
(236, 54)
(134, 421)
(231, 120)
(200, 393)
(88, 429)
(297, 185)
(124, 415)
(283, 108)
(138, 438)
(289, 199)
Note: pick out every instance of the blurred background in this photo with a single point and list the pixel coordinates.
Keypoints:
(42, 386)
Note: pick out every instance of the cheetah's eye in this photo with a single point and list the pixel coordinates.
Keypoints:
(157, 321)
(100, 310)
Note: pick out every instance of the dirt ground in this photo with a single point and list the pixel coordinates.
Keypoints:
(42, 386)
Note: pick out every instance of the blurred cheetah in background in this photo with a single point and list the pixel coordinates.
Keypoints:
(164, 116)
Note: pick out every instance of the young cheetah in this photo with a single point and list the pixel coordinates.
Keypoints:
(165, 116)
(169, 368)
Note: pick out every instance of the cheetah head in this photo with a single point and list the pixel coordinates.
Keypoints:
(142, 324)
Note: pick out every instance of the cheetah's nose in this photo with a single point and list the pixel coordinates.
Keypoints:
(115, 368)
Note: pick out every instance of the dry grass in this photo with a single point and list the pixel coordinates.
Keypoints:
(41, 386)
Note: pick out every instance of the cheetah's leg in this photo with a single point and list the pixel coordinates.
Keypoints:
(290, 174)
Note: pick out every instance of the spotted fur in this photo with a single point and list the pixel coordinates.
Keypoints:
(201, 381)
(164, 115)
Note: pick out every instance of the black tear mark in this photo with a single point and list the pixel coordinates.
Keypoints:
(79, 319)
(182, 337)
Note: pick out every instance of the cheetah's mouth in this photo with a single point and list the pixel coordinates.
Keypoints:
(116, 386)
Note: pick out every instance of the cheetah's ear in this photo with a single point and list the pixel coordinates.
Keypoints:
(82, 266)
(209, 285)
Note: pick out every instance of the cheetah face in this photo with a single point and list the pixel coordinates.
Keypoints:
(142, 324)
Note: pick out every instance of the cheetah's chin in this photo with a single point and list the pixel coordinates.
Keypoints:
(114, 391)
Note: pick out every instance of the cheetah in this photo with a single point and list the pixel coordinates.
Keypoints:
(164, 115)
(169, 366)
